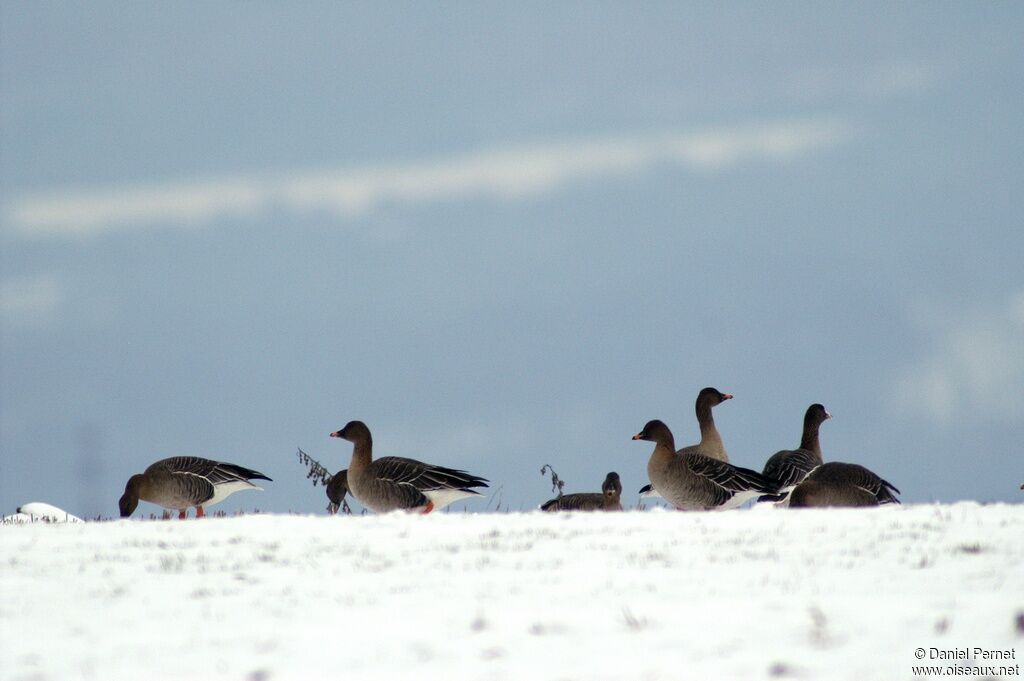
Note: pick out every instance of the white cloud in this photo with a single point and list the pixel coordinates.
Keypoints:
(30, 299)
(511, 173)
(881, 79)
(974, 369)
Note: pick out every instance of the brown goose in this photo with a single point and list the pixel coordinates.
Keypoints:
(607, 500)
(395, 483)
(840, 477)
(183, 481)
(710, 444)
(820, 493)
(696, 482)
(337, 488)
(790, 466)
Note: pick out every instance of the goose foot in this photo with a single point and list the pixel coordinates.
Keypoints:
(428, 508)
(200, 513)
(181, 515)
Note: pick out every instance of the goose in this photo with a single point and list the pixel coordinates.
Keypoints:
(696, 482)
(710, 444)
(839, 478)
(790, 466)
(395, 483)
(606, 500)
(183, 481)
(337, 488)
(820, 493)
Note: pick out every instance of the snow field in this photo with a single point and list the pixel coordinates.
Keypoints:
(767, 593)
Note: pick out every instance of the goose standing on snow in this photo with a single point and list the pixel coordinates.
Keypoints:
(843, 484)
(183, 481)
(696, 482)
(607, 500)
(395, 483)
(710, 444)
(790, 466)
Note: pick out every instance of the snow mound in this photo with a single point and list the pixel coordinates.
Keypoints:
(774, 594)
(38, 512)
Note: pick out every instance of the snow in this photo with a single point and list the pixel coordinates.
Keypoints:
(39, 512)
(766, 593)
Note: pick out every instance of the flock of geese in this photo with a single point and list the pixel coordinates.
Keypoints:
(695, 477)
(698, 477)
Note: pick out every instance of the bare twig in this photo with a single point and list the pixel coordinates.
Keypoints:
(556, 482)
(317, 473)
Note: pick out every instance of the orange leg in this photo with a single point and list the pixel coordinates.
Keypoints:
(200, 513)
(428, 508)
(182, 515)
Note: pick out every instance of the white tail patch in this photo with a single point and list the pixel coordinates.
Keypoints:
(443, 497)
(740, 498)
(226, 489)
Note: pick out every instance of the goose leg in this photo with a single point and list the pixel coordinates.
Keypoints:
(200, 513)
(181, 514)
(428, 508)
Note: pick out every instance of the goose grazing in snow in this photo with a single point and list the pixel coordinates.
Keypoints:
(395, 483)
(606, 500)
(843, 484)
(790, 466)
(183, 481)
(696, 482)
(337, 488)
(820, 493)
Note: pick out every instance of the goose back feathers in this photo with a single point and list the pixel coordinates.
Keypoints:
(837, 475)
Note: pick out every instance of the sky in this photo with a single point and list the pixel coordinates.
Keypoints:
(507, 235)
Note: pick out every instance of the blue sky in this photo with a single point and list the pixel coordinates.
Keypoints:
(506, 236)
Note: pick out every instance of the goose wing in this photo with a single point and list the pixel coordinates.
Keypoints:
(424, 477)
(790, 466)
(581, 501)
(217, 472)
(187, 476)
(728, 477)
(858, 476)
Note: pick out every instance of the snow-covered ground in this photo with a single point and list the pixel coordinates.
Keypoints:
(767, 593)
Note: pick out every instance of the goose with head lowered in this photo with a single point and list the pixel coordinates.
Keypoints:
(395, 483)
(606, 500)
(843, 484)
(181, 482)
(336, 488)
(696, 482)
(823, 493)
(790, 466)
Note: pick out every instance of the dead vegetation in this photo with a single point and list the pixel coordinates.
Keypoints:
(321, 476)
(557, 484)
